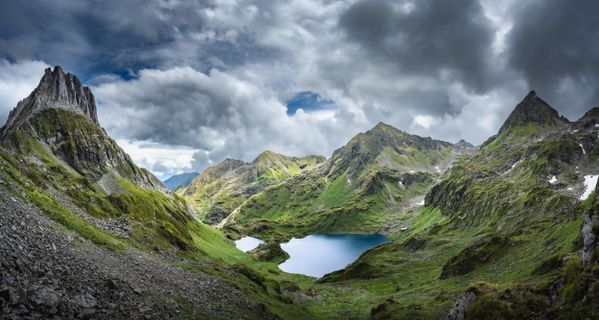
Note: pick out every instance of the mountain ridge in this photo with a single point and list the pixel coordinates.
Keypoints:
(220, 189)
(55, 90)
(510, 227)
(533, 109)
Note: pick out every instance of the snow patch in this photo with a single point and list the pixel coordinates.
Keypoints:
(437, 168)
(421, 203)
(513, 166)
(581, 147)
(553, 180)
(590, 182)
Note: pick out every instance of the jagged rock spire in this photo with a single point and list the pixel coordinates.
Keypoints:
(55, 90)
(533, 109)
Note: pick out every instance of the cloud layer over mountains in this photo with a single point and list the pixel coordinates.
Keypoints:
(184, 84)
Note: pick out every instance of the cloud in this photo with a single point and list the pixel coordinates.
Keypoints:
(217, 77)
(163, 160)
(217, 114)
(425, 38)
(555, 46)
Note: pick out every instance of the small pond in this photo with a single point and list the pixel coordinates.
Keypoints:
(246, 244)
(319, 254)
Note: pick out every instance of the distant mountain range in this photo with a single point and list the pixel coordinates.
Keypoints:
(180, 180)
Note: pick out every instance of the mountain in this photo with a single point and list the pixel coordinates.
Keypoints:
(88, 234)
(180, 180)
(463, 145)
(59, 117)
(533, 110)
(511, 228)
(55, 90)
(507, 230)
(220, 189)
(377, 174)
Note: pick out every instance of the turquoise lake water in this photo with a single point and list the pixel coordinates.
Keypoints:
(319, 254)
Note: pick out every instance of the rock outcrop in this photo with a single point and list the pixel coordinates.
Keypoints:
(457, 312)
(533, 109)
(589, 238)
(61, 116)
(55, 90)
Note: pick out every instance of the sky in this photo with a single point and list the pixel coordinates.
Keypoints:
(181, 85)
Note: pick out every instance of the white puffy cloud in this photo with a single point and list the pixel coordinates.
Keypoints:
(217, 114)
(163, 160)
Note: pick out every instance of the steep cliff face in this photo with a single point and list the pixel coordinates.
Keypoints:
(61, 116)
(54, 138)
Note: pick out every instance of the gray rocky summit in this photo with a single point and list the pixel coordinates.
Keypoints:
(533, 109)
(55, 90)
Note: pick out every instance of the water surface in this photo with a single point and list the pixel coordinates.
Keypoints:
(246, 244)
(319, 254)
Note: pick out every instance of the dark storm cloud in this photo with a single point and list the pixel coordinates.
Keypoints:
(425, 37)
(96, 37)
(555, 45)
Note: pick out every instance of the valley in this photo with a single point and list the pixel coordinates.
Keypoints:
(506, 230)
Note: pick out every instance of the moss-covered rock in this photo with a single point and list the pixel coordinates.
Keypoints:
(271, 252)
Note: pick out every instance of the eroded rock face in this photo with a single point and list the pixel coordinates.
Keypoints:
(459, 308)
(55, 90)
(589, 238)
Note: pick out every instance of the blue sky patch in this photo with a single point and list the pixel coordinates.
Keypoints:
(308, 101)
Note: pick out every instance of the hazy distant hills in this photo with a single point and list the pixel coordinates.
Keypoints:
(180, 180)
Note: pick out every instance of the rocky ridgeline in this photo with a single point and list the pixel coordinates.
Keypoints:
(60, 114)
(55, 90)
(533, 109)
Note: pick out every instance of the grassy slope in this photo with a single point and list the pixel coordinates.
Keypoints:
(347, 196)
(159, 223)
(218, 191)
(540, 225)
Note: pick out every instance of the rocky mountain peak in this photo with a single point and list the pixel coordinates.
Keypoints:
(533, 109)
(55, 90)
(384, 128)
(463, 144)
(590, 118)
